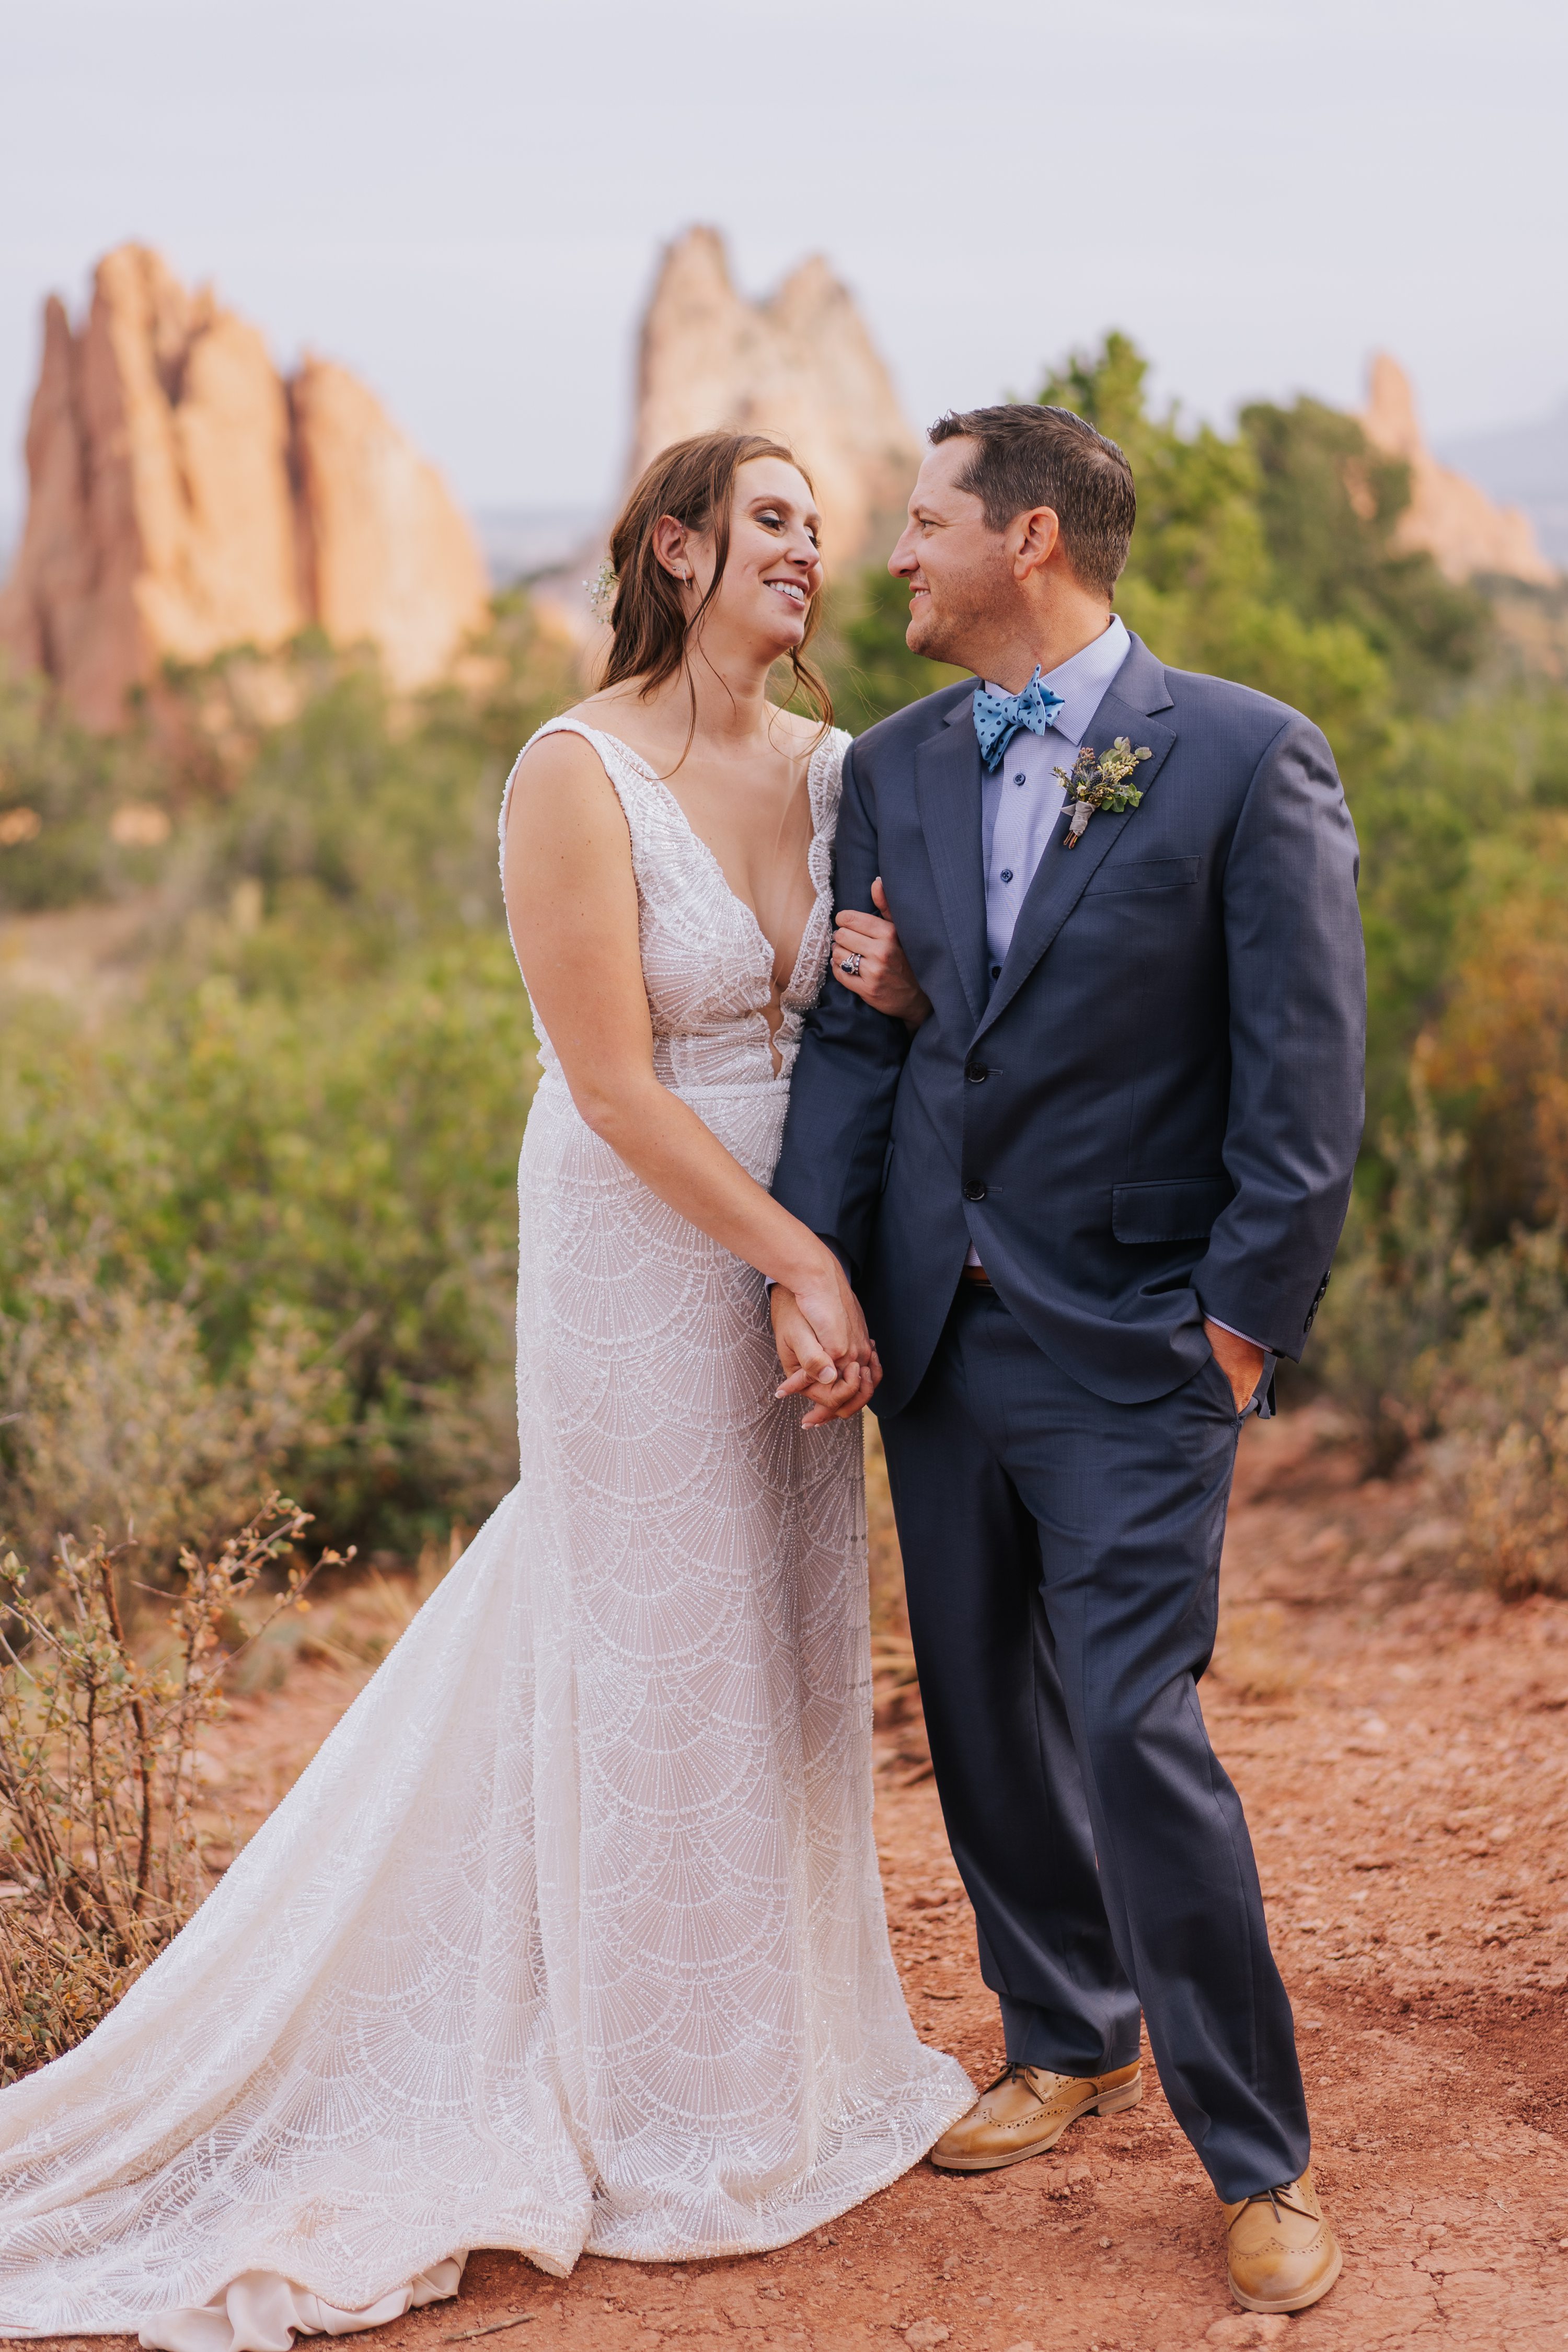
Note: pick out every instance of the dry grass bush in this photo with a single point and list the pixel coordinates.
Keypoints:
(1498, 1061)
(1424, 1337)
(1400, 1287)
(113, 1417)
(1499, 1401)
(1257, 1654)
(1515, 1491)
(98, 1862)
(1498, 1068)
(353, 1629)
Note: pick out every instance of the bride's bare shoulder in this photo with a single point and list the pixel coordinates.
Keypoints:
(562, 780)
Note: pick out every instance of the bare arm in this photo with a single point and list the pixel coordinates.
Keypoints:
(572, 903)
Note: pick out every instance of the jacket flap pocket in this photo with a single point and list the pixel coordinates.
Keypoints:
(1182, 1211)
(1145, 873)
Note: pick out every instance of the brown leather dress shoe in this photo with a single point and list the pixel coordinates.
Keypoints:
(1026, 2110)
(1282, 2254)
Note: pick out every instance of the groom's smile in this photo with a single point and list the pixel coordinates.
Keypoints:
(989, 599)
(945, 532)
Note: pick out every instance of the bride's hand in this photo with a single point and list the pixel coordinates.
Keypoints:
(882, 977)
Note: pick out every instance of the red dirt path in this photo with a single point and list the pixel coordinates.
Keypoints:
(1400, 1745)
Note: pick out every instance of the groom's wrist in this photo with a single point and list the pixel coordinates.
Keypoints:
(1236, 1334)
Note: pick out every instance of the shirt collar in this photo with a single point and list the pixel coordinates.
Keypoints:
(1082, 680)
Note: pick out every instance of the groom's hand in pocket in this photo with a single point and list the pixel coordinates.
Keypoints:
(1240, 1360)
(832, 1392)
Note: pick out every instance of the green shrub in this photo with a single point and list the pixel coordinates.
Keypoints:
(115, 1418)
(278, 1182)
(298, 1208)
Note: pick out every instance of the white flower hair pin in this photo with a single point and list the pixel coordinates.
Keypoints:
(602, 589)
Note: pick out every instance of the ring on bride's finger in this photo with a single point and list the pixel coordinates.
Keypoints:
(851, 964)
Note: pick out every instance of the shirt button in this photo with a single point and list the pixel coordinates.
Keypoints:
(1019, 777)
(1007, 874)
(974, 1190)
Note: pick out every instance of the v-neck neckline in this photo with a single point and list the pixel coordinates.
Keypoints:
(707, 850)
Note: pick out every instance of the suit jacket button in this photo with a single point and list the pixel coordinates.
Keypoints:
(974, 1190)
(977, 1073)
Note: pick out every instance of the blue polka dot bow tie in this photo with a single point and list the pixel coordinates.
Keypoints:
(998, 717)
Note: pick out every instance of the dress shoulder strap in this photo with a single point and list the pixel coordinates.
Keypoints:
(628, 775)
(824, 782)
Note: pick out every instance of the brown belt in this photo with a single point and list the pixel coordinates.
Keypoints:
(977, 1274)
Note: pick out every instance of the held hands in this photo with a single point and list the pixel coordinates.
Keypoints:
(881, 977)
(824, 1346)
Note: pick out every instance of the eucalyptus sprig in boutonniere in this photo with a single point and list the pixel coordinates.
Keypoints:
(1101, 783)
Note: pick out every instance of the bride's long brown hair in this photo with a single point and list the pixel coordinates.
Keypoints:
(694, 481)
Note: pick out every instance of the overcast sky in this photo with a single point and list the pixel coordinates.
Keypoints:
(464, 199)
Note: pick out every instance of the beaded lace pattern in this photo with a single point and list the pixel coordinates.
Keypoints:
(572, 1934)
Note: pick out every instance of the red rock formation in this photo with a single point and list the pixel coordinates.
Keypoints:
(183, 500)
(799, 365)
(387, 555)
(1451, 517)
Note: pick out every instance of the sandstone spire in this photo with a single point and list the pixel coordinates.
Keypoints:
(1451, 517)
(387, 557)
(799, 365)
(183, 498)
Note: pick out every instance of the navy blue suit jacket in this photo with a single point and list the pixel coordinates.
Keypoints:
(1153, 1113)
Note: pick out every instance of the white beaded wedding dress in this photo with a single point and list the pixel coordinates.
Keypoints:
(571, 1935)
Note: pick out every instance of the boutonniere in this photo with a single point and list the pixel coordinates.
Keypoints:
(1097, 783)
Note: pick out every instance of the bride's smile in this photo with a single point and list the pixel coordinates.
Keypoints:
(762, 594)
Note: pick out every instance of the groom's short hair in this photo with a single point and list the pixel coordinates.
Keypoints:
(1027, 455)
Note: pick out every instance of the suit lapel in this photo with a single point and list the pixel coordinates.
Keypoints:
(947, 795)
(1063, 874)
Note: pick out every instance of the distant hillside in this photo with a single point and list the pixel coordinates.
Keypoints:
(1523, 466)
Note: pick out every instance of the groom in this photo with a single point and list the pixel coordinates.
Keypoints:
(1088, 1193)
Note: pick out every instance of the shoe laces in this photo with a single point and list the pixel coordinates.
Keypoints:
(1013, 2072)
(1279, 2202)
(1018, 2070)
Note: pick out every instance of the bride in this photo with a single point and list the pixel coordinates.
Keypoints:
(571, 1935)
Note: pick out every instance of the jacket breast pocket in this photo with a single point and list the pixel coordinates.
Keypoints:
(1182, 1209)
(1144, 874)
